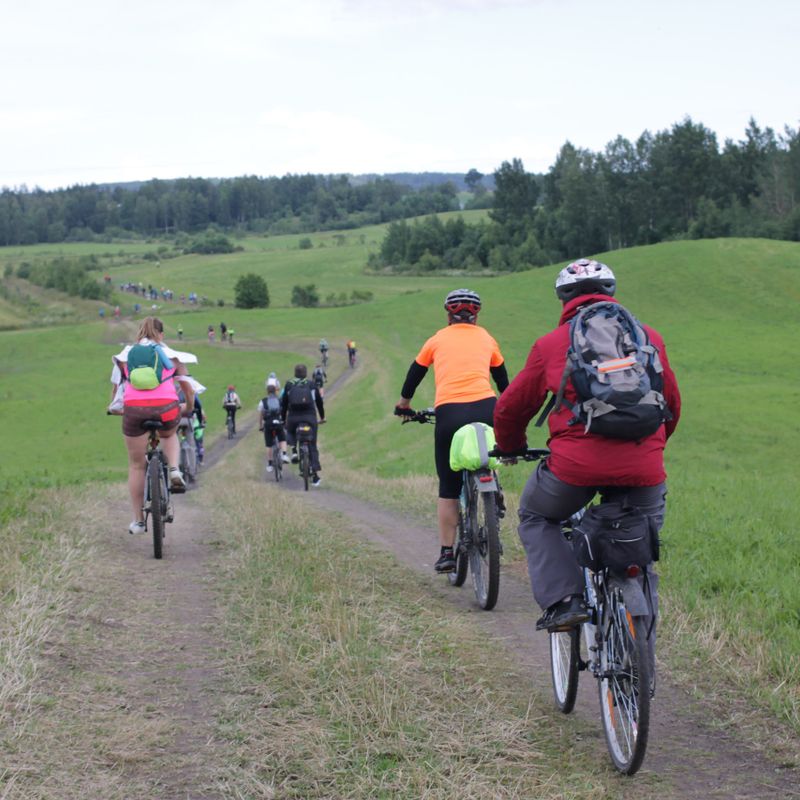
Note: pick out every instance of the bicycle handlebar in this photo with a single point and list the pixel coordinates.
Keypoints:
(524, 454)
(409, 415)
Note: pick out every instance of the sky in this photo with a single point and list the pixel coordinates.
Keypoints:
(98, 91)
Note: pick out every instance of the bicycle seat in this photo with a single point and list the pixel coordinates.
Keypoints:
(152, 424)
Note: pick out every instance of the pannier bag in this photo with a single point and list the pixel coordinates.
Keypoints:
(615, 535)
(470, 447)
(146, 366)
(304, 433)
(616, 374)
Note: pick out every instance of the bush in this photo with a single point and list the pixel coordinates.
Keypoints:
(221, 303)
(305, 243)
(24, 270)
(251, 292)
(211, 243)
(305, 296)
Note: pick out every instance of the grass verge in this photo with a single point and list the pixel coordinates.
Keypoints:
(357, 683)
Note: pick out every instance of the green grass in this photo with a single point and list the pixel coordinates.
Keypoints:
(727, 309)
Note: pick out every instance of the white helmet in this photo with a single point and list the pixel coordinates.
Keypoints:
(585, 276)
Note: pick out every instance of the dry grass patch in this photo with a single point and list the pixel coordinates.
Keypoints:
(358, 684)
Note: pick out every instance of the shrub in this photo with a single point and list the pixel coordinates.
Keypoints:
(211, 243)
(305, 243)
(221, 303)
(251, 292)
(305, 296)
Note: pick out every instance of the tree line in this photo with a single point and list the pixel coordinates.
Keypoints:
(675, 184)
(289, 204)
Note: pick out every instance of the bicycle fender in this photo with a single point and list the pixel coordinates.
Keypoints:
(486, 486)
(632, 593)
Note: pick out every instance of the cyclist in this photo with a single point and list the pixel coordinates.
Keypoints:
(211, 334)
(300, 402)
(223, 331)
(272, 380)
(160, 403)
(180, 332)
(580, 464)
(231, 403)
(319, 376)
(464, 356)
(351, 352)
(323, 349)
(270, 411)
(231, 333)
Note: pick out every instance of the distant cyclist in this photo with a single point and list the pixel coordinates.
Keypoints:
(272, 380)
(319, 378)
(300, 403)
(211, 334)
(271, 423)
(351, 352)
(223, 331)
(323, 350)
(231, 334)
(231, 403)
(464, 357)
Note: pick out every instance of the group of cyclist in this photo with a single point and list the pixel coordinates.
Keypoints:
(581, 463)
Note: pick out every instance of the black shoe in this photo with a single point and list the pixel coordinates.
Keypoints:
(564, 615)
(446, 562)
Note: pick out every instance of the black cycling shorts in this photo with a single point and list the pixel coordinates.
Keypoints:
(449, 418)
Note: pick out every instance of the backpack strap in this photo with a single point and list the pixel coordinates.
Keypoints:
(483, 448)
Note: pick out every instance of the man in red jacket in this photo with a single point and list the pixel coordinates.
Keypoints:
(580, 463)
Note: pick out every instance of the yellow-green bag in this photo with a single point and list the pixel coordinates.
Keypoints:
(469, 442)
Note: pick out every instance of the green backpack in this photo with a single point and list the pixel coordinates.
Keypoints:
(146, 366)
(470, 447)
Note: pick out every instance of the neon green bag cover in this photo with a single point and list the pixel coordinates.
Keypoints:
(465, 449)
(145, 368)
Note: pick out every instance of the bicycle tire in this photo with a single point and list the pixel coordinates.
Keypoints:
(565, 649)
(304, 465)
(277, 462)
(155, 486)
(624, 685)
(229, 424)
(484, 551)
(459, 574)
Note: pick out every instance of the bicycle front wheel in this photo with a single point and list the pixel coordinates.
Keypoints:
(277, 463)
(624, 684)
(565, 649)
(459, 574)
(157, 501)
(484, 553)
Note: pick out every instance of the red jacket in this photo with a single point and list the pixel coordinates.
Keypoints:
(578, 458)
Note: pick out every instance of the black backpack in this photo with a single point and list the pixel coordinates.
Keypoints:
(301, 398)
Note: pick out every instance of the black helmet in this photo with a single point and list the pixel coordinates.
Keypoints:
(585, 276)
(463, 305)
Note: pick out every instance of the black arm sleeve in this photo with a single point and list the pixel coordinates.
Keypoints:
(500, 377)
(416, 372)
(285, 400)
(318, 401)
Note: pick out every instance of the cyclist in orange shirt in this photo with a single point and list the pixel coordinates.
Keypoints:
(463, 356)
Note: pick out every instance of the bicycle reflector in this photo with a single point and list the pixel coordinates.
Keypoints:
(485, 478)
(633, 571)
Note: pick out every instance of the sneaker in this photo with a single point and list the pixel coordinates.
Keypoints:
(137, 527)
(270, 468)
(316, 480)
(295, 458)
(176, 482)
(284, 458)
(564, 615)
(446, 561)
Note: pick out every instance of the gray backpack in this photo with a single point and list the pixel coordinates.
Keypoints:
(616, 374)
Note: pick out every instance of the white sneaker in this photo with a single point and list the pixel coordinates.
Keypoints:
(137, 527)
(284, 458)
(270, 468)
(176, 483)
(316, 480)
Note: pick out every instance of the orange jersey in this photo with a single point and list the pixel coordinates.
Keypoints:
(462, 356)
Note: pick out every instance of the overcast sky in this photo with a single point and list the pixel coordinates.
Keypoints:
(113, 90)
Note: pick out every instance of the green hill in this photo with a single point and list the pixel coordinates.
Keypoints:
(727, 309)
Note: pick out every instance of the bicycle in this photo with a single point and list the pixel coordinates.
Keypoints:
(276, 452)
(188, 459)
(157, 504)
(351, 356)
(229, 421)
(303, 434)
(324, 357)
(478, 547)
(619, 653)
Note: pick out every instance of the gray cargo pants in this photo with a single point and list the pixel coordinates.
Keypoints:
(545, 502)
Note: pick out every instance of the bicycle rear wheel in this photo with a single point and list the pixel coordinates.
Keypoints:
(304, 465)
(624, 683)
(229, 424)
(156, 489)
(565, 649)
(484, 552)
(277, 462)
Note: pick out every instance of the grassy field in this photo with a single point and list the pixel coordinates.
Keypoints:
(725, 307)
